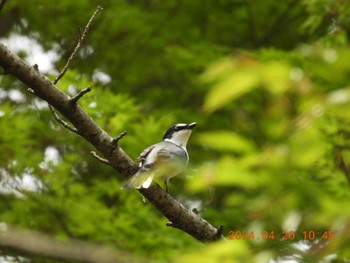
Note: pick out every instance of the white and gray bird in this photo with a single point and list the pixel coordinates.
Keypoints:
(163, 160)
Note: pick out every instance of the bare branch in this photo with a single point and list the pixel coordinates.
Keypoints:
(180, 216)
(102, 160)
(29, 242)
(117, 139)
(78, 45)
(80, 94)
(82, 36)
(61, 121)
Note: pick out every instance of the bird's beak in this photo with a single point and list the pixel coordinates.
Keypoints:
(191, 125)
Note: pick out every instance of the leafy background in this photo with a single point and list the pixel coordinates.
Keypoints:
(268, 84)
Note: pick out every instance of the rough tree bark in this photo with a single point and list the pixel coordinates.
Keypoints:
(41, 86)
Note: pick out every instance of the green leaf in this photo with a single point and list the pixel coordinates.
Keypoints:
(224, 251)
(231, 171)
(275, 76)
(218, 70)
(306, 147)
(225, 141)
(230, 88)
(226, 172)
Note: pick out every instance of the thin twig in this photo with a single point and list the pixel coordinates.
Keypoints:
(80, 94)
(117, 139)
(82, 36)
(102, 160)
(59, 119)
(80, 41)
(2, 3)
(80, 33)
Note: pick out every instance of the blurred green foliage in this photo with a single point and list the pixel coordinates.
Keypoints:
(268, 83)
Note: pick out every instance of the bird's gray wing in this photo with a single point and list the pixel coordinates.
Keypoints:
(166, 158)
(152, 157)
(143, 178)
(172, 151)
(156, 161)
(143, 155)
(164, 154)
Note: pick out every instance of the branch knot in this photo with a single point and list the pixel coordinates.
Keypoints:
(75, 99)
(116, 140)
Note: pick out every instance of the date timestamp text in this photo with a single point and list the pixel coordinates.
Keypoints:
(284, 235)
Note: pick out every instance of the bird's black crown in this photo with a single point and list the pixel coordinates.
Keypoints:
(178, 127)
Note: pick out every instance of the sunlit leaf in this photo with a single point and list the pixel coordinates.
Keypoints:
(275, 76)
(306, 146)
(225, 140)
(225, 251)
(230, 88)
(225, 172)
(218, 70)
(231, 172)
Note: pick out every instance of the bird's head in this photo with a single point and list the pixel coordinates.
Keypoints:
(179, 133)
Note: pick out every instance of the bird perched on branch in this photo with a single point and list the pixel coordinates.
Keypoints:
(164, 159)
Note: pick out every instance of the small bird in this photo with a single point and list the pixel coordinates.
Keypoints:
(163, 160)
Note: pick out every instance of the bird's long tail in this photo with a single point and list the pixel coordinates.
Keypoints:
(139, 180)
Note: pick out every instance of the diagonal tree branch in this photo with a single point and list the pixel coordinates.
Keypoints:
(86, 127)
(179, 216)
(29, 242)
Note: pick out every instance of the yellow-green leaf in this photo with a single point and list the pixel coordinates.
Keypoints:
(225, 141)
(275, 76)
(218, 70)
